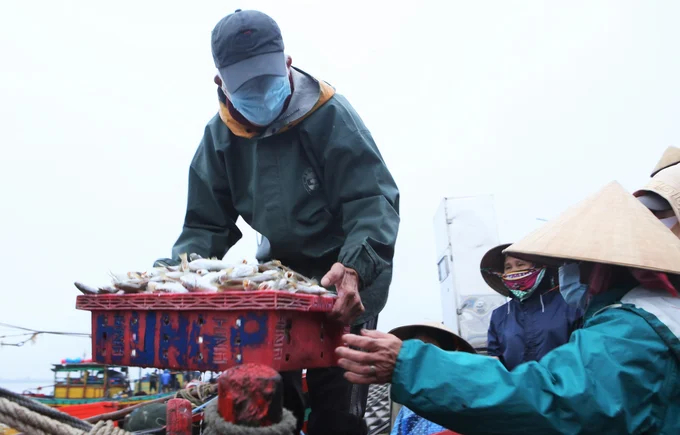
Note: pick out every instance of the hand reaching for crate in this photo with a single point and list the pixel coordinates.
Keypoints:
(348, 307)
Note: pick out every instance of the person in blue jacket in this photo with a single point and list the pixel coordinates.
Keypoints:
(618, 374)
(408, 422)
(536, 319)
(165, 381)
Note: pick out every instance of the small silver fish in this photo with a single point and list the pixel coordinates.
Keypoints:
(194, 256)
(132, 285)
(298, 277)
(211, 265)
(184, 265)
(266, 276)
(167, 287)
(214, 277)
(249, 285)
(270, 265)
(310, 289)
(275, 284)
(196, 283)
(174, 276)
(244, 271)
(86, 289)
(267, 285)
(108, 289)
(231, 284)
(155, 272)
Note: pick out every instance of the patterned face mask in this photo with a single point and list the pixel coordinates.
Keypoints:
(523, 283)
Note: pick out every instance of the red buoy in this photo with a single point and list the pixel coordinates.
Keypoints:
(250, 395)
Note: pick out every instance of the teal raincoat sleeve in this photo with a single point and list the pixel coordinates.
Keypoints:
(210, 221)
(359, 187)
(614, 376)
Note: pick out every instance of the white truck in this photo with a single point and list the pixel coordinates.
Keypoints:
(465, 229)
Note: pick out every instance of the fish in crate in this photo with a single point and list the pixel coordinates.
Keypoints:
(207, 314)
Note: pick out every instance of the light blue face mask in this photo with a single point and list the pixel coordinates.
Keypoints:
(260, 100)
(571, 288)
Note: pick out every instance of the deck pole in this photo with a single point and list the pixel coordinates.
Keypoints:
(179, 417)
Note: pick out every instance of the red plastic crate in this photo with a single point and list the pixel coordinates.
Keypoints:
(215, 331)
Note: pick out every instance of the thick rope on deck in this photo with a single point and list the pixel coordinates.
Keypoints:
(197, 395)
(25, 420)
(30, 422)
(45, 410)
(215, 425)
(106, 428)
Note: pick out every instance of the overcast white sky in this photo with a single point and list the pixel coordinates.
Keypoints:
(102, 105)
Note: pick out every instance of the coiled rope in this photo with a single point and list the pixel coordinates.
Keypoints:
(45, 410)
(197, 395)
(215, 424)
(25, 420)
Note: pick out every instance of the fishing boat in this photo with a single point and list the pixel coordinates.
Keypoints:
(84, 389)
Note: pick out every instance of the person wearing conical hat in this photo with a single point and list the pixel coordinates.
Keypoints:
(536, 319)
(661, 195)
(436, 334)
(618, 374)
(669, 158)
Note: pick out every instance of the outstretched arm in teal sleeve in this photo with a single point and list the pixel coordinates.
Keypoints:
(608, 379)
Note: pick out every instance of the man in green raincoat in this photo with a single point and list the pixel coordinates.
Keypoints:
(619, 374)
(292, 158)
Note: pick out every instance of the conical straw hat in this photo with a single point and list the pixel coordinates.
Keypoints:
(493, 261)
(610, 227)
(669, 158)
(665, 183)
(446, 338)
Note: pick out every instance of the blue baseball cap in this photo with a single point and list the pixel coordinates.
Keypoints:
(245, 45)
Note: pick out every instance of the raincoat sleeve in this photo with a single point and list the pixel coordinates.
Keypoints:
(210, 221)
(359, 187)
(494, 345)
(612, 377)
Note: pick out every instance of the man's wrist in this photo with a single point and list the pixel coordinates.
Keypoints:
(354, 276)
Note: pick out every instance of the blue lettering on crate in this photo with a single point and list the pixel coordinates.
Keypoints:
(219, 352)
(101, 338)
(114, 335)
(197, 340)
(173, 344)
(118, 339)
(251, 331)
(143, 355)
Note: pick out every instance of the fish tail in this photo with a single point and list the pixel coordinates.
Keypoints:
(185, 262)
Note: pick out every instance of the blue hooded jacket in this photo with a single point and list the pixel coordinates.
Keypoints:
(522, 331)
